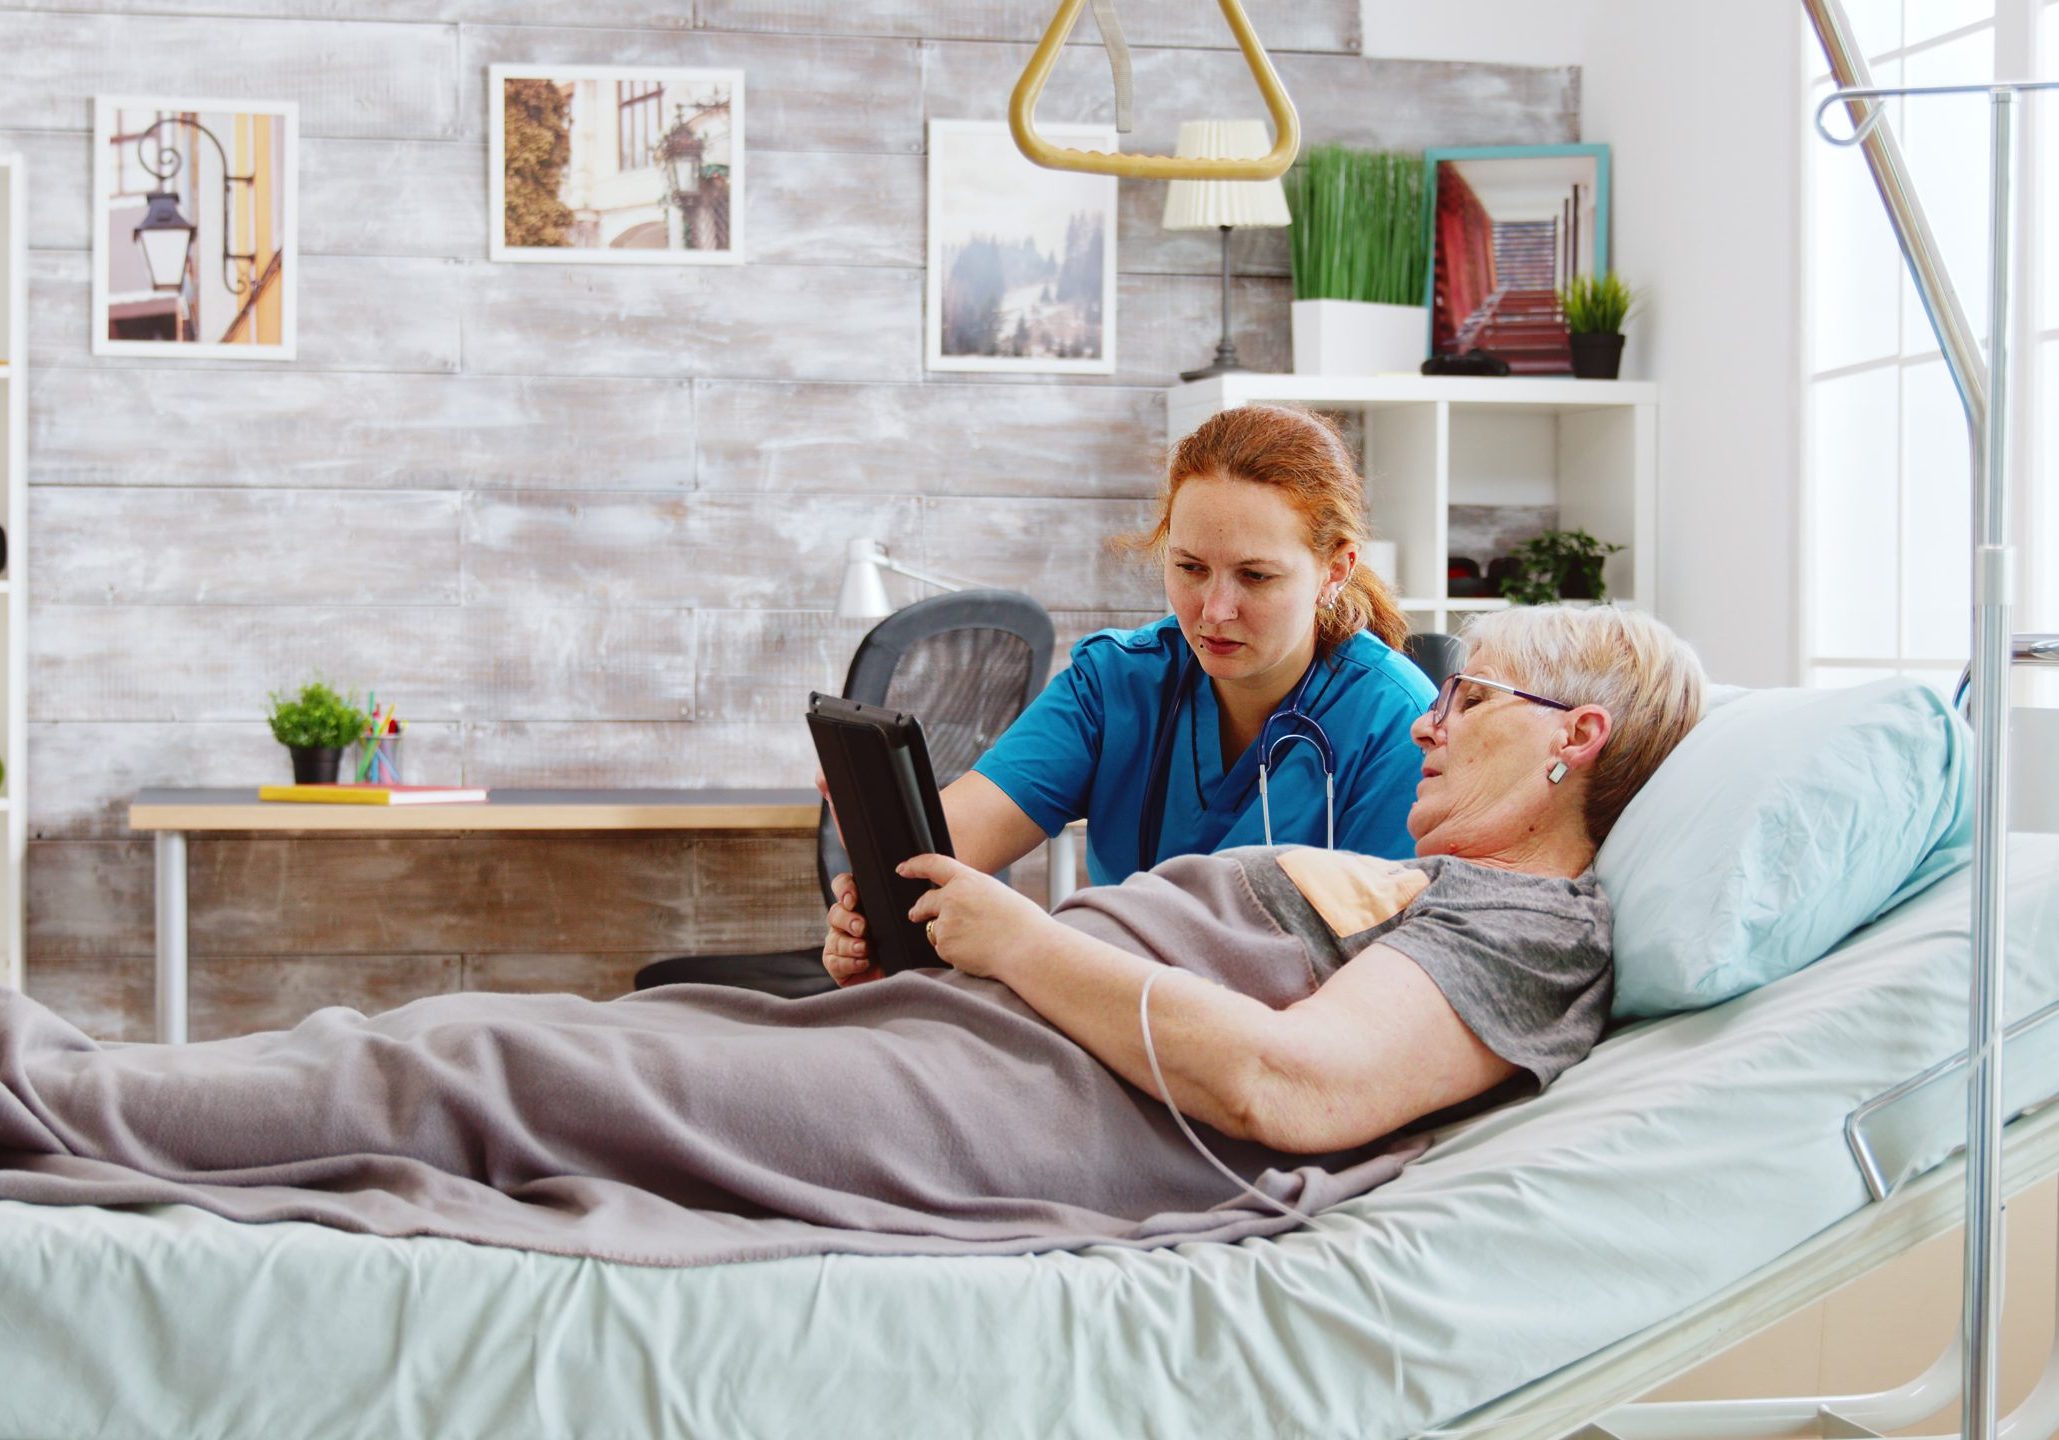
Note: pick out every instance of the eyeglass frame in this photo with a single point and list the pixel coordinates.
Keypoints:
(1440, 708)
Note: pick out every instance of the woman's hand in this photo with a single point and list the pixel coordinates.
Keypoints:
(977, 920)
(845, 954)
(822, 789)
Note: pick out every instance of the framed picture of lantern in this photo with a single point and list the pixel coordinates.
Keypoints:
(615, 165)
(195, 228)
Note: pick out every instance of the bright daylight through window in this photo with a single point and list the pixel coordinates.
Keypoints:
(1887, 510)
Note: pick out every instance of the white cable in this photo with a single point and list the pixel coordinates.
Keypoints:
(1158, 1079)
(1165, 1094)
(1572, 1413)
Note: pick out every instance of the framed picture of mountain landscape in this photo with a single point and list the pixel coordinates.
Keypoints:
(1021, 259)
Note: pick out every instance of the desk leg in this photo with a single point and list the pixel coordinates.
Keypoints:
(1063, 863)
(171, 937)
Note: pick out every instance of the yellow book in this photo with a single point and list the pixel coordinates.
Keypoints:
(370, 794)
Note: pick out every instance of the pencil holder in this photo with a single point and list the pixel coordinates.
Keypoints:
(380, 763)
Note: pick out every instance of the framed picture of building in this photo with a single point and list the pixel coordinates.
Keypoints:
(1509, 227)
(614, 165)
(195, 250)
(1021, 259)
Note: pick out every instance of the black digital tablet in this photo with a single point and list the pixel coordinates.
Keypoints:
(888, 810)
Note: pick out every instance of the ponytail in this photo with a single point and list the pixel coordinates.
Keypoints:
(1365, 603)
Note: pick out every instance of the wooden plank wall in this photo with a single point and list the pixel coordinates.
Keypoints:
(584, 523)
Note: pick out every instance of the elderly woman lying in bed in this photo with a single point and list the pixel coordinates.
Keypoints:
(941, 1111)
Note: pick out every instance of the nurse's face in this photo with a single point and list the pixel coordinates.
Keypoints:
(1243, 582)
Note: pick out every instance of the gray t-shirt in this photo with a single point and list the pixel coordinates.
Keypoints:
(1522, 959)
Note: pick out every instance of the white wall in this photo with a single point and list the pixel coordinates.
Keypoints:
(1699, 104)
(1500, 32)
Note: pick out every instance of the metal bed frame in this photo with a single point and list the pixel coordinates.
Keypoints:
(1925, 1208)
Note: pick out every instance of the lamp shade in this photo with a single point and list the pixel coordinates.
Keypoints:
(863, 594)
(1210, 204)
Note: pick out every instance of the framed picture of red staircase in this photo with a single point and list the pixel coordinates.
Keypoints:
(1510, 225)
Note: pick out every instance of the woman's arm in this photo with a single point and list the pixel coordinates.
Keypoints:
(1376, 1047)
(988, 829)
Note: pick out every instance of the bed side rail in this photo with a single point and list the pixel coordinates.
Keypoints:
(1920, 1123)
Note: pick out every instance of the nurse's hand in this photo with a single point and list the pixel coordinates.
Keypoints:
(845, 954)
(976, 921)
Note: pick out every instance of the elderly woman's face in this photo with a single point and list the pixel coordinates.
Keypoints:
(1484, 787)
(1242, 580)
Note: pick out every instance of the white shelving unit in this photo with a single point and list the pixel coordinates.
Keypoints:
(14, 506)
(1588, 448)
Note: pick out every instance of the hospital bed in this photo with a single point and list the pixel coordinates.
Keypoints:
(1544, 1262)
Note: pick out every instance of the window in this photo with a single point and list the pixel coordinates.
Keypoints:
(1886, 517)
(639, 116)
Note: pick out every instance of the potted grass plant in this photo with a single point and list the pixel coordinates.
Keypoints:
(316, 726)
(1596, 307)
(1360, 256)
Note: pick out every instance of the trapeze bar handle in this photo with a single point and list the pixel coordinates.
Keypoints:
(1022, 110)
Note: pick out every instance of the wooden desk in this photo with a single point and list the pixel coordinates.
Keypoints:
(175, 814)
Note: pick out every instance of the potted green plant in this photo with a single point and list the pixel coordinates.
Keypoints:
(316, 726)
(1596, 307)
(1361, 258)
(1558, 565)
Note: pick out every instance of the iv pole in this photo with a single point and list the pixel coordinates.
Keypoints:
(1983, 390)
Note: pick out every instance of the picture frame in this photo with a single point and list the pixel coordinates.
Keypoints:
(1509, 226)
(196, 251)
(1009, 241)
(602, 175)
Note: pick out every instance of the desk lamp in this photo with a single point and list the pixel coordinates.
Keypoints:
(863, 594)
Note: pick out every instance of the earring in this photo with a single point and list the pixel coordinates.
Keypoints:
(1557, 772)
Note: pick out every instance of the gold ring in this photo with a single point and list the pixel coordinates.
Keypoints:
(930, 929)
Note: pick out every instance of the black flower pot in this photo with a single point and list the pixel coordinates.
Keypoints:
(316, 765)
(1575, 584)
(1597, 357)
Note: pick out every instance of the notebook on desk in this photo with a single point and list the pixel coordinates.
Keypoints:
(370, 794)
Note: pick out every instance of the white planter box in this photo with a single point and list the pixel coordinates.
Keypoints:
(1357, 337)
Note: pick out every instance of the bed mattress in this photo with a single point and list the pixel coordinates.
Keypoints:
(1681, 1155)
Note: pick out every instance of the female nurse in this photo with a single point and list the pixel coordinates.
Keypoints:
(1282, 650)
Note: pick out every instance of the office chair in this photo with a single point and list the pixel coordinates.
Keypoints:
(965, 665)
(1435, 655)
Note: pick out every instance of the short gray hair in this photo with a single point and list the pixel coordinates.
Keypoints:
(1631, 665)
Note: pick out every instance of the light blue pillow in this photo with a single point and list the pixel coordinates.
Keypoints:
(1784, 821)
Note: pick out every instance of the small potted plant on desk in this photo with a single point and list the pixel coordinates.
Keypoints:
(1596, 307)
(1558, 565)
(316, 726)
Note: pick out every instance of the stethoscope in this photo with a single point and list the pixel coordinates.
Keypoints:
(1288, 723)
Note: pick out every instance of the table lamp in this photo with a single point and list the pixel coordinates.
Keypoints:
(1224, 204)
(863, 593)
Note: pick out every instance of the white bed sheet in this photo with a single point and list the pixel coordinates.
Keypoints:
(1682, 1155)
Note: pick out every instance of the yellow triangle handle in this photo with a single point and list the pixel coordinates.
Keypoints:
(1022, 110)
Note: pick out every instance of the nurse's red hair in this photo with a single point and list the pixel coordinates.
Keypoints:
(1302, 455)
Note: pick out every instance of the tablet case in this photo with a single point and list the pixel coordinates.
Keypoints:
(888, 810)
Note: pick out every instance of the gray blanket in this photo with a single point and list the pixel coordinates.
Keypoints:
(931, 1113)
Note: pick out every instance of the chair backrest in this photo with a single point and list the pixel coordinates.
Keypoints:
(964, 664)
(1435, 655)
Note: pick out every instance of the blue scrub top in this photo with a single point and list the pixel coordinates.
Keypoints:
(1083, 748)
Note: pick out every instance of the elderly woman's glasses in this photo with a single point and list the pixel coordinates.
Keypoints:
(1448, 691)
